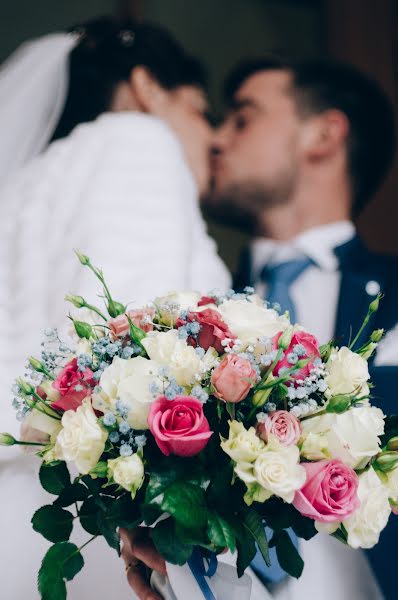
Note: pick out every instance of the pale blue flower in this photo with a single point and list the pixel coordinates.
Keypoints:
(114, 437)
(109, 419)
(126, 450)
(124, 427)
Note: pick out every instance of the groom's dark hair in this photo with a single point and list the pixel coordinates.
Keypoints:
(107, 52)
(322, 85)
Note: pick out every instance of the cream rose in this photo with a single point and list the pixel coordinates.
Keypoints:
(347, 373)
(128, 381)
(82, 439)
(365, 525)
(167, 349)
(127, 471)
(250, 321)
(352, 436)
(242, 445)
(170, 305)
(276, 470)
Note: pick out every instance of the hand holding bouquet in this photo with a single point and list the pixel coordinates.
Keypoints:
(206, 418)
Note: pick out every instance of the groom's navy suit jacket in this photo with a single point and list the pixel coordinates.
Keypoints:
(359, 266)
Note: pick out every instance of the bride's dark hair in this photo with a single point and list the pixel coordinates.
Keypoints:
(107, 52)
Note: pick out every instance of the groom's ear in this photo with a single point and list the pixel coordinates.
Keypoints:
(148, 93)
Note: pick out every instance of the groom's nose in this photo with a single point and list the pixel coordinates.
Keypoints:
(220, 141)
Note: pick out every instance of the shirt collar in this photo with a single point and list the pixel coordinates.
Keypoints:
(317, 243)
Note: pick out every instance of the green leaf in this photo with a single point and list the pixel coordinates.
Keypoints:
(288, 556)
(254, 524)
(150, 513)
(303, 527)
(168, 545)
(54, 523)
(108, 528)
(220, 532)
(77, 492)
(125, 512)
(158, 483)
(61, 562)
(88, 516)
(54, 477)
(246, 548)
(186, 503)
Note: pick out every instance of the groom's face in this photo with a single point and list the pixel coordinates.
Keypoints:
(256, 151)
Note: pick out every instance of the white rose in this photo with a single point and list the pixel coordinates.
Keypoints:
(167, 349)
(170, 305)
(347, 373)
(128, 381)
(276, 470)
(365, 525)
(242, 445)
(81, 439)
(250, 321)
(39, 428)
(352, 436)
(127, 471)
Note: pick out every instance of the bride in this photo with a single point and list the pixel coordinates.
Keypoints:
(105, 149)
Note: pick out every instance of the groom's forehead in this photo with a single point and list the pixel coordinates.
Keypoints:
(263, 87)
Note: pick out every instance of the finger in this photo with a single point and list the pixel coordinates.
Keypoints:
(140, 585)
(140, 546)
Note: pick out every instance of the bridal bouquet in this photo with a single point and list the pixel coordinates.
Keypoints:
(206, 418)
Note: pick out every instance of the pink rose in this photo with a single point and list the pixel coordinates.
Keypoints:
(206, 300)
(281, 423)
(330, 492)
(66, 382)
(212, 332)
(230, 378)
(120, 325)
(309, 346)
(179, 426)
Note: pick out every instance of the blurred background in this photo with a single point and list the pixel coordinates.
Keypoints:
(221, 32)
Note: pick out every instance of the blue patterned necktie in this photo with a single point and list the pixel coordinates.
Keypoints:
(278, 279)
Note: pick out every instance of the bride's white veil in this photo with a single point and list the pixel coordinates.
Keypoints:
(33, 89)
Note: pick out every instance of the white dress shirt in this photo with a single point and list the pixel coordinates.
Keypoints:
(315, 292)
(332, 571)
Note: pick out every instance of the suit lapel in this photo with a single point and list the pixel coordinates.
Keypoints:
(360, 283)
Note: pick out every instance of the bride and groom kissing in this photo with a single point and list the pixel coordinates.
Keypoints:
(106, 148)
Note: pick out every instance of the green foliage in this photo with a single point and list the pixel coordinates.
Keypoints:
(186, 503)
(54, 523)
(220, 532)
(288, 556)
(253, 523)
(246, 548)
(167, 543)
(54, 477)
(76, 492)
(62, 562)
(88, 516)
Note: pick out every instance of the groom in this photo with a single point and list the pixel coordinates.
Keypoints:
(302, 150)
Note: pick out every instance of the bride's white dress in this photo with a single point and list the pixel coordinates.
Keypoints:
(120, 191)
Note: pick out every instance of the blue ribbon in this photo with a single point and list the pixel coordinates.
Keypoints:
(203, 565)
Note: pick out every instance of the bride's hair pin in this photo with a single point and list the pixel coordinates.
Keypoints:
(126, 37)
